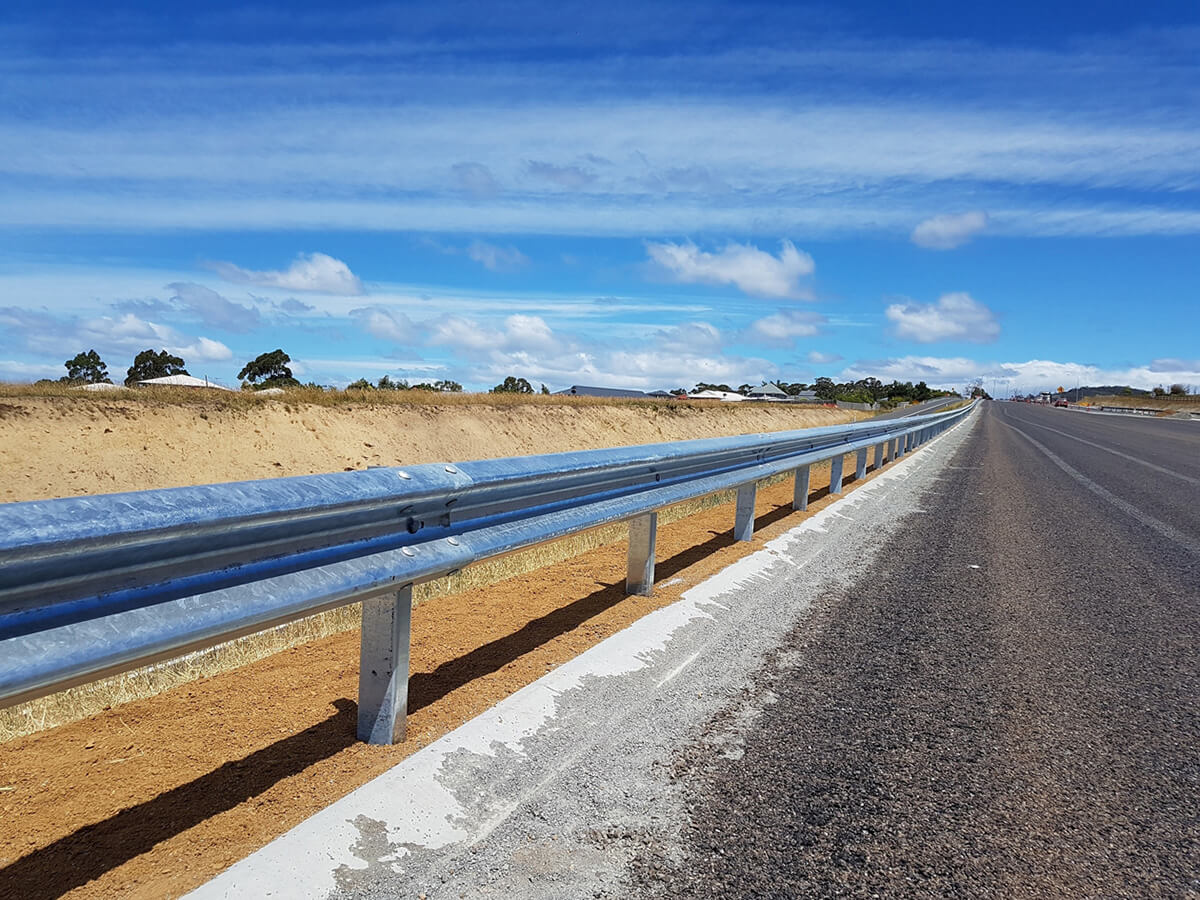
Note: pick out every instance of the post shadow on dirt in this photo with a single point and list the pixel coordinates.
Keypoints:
(77, 858)
(91, 851)
(426, 688)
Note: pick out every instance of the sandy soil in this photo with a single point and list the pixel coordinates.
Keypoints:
(63, 446)
(150, 798)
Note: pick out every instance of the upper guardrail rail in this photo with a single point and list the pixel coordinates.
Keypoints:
(94, 585)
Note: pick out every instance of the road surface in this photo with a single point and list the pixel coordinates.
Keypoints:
(975, 676)
(1005, 704)
(919, 409)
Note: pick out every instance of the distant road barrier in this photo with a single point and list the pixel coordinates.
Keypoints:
(94, 586)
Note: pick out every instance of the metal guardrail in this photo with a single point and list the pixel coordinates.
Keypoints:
(97, 585)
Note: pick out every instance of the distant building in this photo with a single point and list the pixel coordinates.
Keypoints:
(184, 381)
(727, 396)
(768, 391)
(584, 390)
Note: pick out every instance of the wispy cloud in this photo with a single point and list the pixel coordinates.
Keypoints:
(949, 231)
(570, 177)
(212, 309)
(784, 328)
(817, 358)
(956, 316)
(315, 272)
(747, 268)
(495, 258)
(115, 337)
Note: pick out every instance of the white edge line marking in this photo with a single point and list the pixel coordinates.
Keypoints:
(1136, 459)
(1167, 531)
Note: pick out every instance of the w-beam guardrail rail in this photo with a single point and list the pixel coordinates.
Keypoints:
(94, 586)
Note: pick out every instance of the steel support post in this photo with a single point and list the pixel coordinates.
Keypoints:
(743, 523)
(800, 493)
(639, 577)
(880, 453)
(895, 449)
(383, 667)
(860, 467)
(835, 474)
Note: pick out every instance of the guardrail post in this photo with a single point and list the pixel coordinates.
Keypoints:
(895, 454)
(383, 667)
(743, 523)
(860, 468)
(880, 452)
(835, 474)
(800, 492)
(639, 577)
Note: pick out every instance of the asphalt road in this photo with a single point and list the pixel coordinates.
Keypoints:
(920, 409)
(1006, 703)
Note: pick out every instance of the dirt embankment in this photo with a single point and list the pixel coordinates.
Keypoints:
(64, 446)
(151, 797)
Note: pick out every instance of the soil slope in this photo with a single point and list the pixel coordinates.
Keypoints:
(64, 446)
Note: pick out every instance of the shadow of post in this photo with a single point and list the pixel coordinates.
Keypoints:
(89, 852)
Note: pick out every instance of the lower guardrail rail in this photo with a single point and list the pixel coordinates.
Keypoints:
(98, 585)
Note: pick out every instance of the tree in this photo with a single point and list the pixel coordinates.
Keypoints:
(386, 384)
(826, 389)
(448, 387)
(269, 370)
(361, 385)
(1178, 390)
(874, 387)
(513, 385)
(86, 368)
(149, 364)
(705, 386)
(545, 390)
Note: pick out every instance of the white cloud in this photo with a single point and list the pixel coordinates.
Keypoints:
(16, 370)
(689, 339)
(496, 259)
(131, 334)
(946, 232)
(1028, 376)
(751, 270)
(385, 323)
(518, 334)
(784, 327)
(312, 272)
(955, 316)
(817, 358)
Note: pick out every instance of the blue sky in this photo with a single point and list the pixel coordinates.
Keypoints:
(643, 195)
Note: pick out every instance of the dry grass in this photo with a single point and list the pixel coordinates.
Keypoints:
(90, 699)
(1170, 403)
(182, 396)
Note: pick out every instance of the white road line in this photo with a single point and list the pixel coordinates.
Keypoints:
(1138, 460)
(1167, 531)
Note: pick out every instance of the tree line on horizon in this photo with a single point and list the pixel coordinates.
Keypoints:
(266, 370)
(271, 370)
(865, 390)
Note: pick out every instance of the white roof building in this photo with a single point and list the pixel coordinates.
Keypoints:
(185, 381)
(727, 396)
(768, 390)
